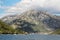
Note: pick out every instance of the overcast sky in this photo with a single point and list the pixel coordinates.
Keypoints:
(16, 6)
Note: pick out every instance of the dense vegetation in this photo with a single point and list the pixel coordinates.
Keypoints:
(6, 29)
(56, 32)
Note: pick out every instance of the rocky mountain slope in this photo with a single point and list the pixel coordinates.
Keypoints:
(34, 21)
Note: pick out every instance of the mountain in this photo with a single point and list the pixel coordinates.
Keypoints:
(34, 21)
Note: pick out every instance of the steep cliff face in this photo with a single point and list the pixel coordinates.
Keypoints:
(34, 21)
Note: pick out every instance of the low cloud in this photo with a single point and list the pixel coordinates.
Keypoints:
(24, 5)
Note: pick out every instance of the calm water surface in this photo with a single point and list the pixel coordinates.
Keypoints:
(29, 37)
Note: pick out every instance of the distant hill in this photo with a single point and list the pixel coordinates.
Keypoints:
(34, 21)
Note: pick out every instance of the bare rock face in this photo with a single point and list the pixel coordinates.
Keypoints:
(34, 21)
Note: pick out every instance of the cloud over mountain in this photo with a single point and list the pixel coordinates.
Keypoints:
(23, 5)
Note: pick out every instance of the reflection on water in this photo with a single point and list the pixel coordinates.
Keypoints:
(29, 37)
